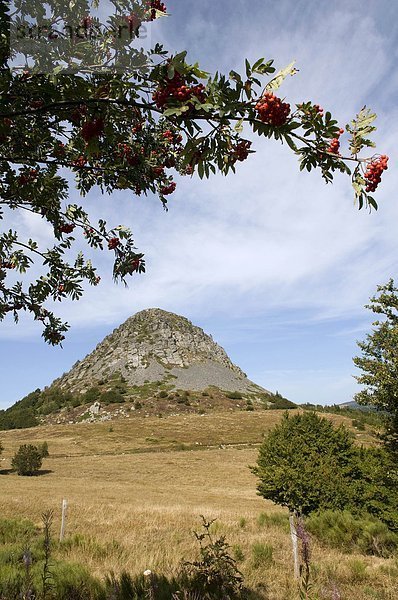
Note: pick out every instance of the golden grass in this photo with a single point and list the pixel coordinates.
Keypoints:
(134, 501)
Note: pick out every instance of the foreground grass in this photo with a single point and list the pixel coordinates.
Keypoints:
(134, 501)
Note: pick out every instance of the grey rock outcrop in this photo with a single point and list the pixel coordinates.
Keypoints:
(155, 345)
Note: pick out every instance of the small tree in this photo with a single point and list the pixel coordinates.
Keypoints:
(379, 361)
(305, 464)
(43, 449)
(27, 461)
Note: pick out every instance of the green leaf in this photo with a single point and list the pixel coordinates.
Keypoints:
(279, 78)
(290, 143)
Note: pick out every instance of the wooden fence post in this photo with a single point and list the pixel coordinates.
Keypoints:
(293, 534)
(63, 519)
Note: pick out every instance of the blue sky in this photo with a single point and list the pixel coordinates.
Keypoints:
(273, 263)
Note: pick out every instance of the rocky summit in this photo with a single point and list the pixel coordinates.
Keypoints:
(155, 345)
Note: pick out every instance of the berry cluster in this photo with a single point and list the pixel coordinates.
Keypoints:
(126, 152)
(87, 22)
(59, 149)
(375, 171)
(272, 110)
(80, 162)
(27, 177)
(334, 146)
(66, 227)
(78, 114)
(156, 5)
(177, 90)
(166, 190)
(113, 243)
(92, 129)
(135, 265)
(172, 137)
(318, 109)
(241, 150)
(7, 265)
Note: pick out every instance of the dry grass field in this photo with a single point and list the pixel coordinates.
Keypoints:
(136, 489)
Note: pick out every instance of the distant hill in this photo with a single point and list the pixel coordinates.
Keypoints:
(355, 406)
(156, 362)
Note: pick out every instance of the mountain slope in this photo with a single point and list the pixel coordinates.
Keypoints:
(156, 361)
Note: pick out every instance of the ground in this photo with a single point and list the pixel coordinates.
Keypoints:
(136, 489)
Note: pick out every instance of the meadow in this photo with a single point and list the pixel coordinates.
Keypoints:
(136, 489)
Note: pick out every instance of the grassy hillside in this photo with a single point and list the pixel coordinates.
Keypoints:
(115, 395)
(136, 488)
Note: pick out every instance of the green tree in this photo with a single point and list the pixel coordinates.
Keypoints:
(379, 361)
(27, 461)
(43, 449)
(102, 111)
(306, 464)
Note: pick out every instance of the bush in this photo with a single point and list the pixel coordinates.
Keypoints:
(91, 395)
(234, 395)
(43, 449)
(303, 451)
(27, 461)
(112, 397)
(18, 418)
(280, 403)
(215, 575)
(348, 533)
(163, 394)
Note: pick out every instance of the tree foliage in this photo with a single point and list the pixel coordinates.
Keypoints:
(306, 464)
(379, 360)
(27, 460)
(104, 112)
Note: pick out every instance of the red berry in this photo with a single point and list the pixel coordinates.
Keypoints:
(272, 110)
(374, 172)
(241, 150)
(166, 190)
(92, 129)
(113, 243)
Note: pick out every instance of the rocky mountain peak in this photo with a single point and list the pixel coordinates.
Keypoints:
(153, 345)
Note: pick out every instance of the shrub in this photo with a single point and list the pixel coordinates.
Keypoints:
(163, 394)
(112, 397)
(301, 452)
(215, 575)
(234, 395)
(348, 533)
(358, 425)
(91, 395)
(43, 449)
(18, 418)
(27, 461)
